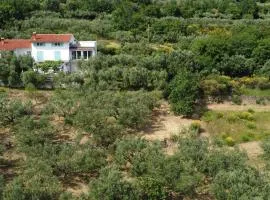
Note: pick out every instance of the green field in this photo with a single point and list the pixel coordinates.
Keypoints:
(238, 125)
(256, 92)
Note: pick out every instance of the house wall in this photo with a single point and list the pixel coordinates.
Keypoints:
(22, 52)
(49, 52)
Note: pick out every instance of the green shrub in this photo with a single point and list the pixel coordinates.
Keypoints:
(151, 188)
(251, 125)
(111, 185)
(127, 148)
(230, 141)
(3, 90)
(34, 78)
(194, 149)
(36, 182)
(195, 126)
(12, 110)
(30, 87)
(261, 101)
(49, 65)
(220, 115)
(245, 138)
(222, 159)
(237, 99)
(250, 110)
(216, 87)
(1, 185)
(245, 116)
(240, 183)
(266, 148)
(232, 117)
(209, 116)
(184, 92)
(261, 83)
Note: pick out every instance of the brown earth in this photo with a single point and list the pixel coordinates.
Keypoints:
(254, 152)
(165, 124)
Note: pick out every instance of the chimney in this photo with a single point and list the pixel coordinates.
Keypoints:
(34, 35)
(2, 40)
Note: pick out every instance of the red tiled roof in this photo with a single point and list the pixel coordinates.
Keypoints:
(9, 45)
(51, 37)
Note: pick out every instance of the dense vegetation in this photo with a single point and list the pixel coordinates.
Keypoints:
(187, 52)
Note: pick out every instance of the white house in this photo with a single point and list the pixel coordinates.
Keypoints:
(18, 46)
(51, 47)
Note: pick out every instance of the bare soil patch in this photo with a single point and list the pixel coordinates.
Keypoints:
(253, 149)
(254, 152)
(164, 124)
(76, 186)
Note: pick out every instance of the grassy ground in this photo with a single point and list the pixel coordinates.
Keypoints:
(256, 92)
(237, 126)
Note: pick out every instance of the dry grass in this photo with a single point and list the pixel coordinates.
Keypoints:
(227, 106)
(226, 124)
(254, 152)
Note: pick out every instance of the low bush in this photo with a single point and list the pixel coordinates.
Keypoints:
(255, 82)
(250, 110)
(217, 87)
(261, 101)
(211, 116)
(195, 127)
(49, 65)
(184, 92)
(12, 110)
(230, 141)
(222, 159)
(246, 138)
(243, 183)
(251, 125)
(127, 148)
(266, 148)
(111, 185)
(236, 99)
(246, 116)
(34, 78)
(232, 117)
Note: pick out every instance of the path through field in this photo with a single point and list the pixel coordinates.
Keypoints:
(165, 124)
(254, 152)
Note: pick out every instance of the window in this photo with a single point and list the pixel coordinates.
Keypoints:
(40, 44)
(90, 53)
(40, 56)
(73, 55)
(57, 44)
(85, 55)
(57, 55)
(79, 55)
(28, 53)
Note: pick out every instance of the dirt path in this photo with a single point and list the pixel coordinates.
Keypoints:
(254, 152)
(165, 124)
(253, 149)
(226, 106)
